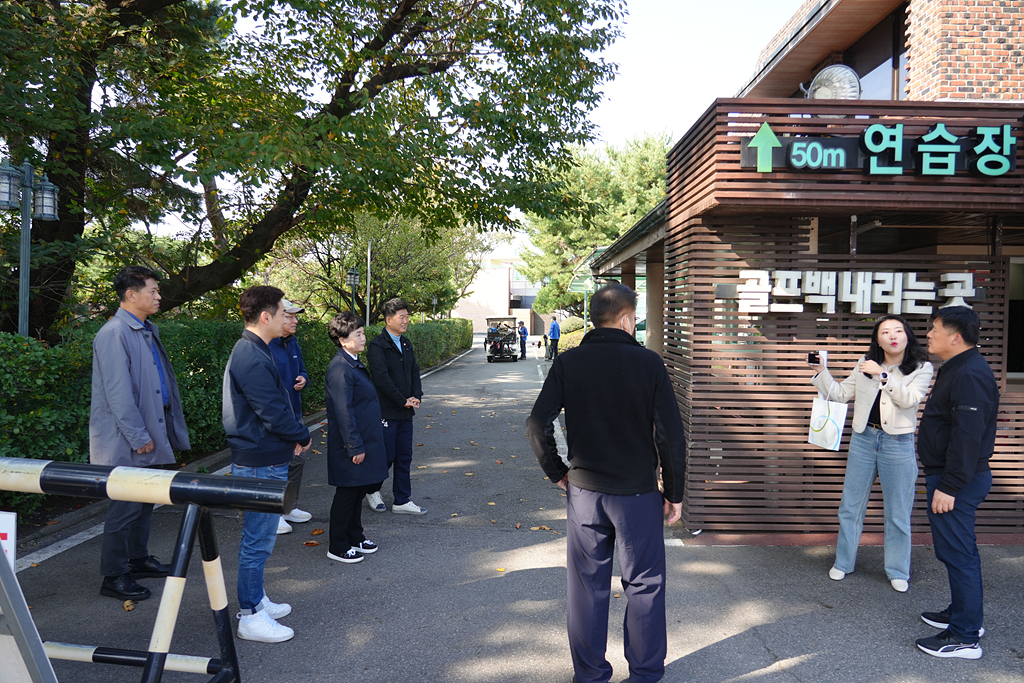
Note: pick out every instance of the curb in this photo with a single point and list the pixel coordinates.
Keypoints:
(211, 463)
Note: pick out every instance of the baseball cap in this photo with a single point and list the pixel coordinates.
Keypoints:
(289, 307)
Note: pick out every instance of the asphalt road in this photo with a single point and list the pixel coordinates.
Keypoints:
(462, 595)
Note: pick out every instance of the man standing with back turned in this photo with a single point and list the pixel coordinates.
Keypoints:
(135, 420)
(955, 440)
(622, 425)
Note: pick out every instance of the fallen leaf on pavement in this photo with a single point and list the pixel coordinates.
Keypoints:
(52, 521)
(534, 528)
(501, 569)
(617, 595)
(315, 451)
(128, 605)
(34, 565)
(455, 514)
(311, 543)
(490, 503)
(457, 448)
(545, 527)
(519, 525)
(419, 444)
(498, 462)
(316, 532)
(421, 467)
(469, 474)
(494, 521)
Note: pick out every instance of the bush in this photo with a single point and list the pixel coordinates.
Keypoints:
(571, 324)
(44, 405)
(45, 391)
(571, 340)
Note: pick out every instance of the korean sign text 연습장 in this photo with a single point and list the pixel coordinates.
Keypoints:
(885, 150)
(790, 291)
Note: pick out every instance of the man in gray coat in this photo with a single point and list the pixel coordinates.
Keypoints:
(135, 420)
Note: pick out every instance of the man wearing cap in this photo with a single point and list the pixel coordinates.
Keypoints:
(288, 359)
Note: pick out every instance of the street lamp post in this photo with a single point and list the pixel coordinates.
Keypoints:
(43, 205)
(433, 301)
(352, 280)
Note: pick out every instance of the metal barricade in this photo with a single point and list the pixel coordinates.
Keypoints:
(198, 493)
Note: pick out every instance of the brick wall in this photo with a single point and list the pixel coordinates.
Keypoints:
(965, 49)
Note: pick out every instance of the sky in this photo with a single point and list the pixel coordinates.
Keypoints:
(677, 56)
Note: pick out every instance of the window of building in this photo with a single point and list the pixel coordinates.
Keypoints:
(880, 58)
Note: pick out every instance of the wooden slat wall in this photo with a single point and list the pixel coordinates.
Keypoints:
(705, 174)
(744, 386)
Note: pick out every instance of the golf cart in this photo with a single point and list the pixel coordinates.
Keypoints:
(502, 341)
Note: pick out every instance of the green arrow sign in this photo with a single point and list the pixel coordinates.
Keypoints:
(764, 141)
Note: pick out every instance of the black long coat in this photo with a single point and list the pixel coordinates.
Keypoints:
(353, 425)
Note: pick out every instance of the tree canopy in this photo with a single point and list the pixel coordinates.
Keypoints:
(241, 121)
(619, 186)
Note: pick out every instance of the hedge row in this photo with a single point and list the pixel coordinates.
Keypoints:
(45, 392)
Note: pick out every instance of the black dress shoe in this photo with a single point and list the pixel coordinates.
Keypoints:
(123, 587)
(148, 568)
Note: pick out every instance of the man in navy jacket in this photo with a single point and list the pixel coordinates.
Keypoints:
(288, 358)
(397, 378)
(622, 428)
(955, 440)
(263, 434)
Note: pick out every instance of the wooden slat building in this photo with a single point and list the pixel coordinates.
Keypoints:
(737, 355)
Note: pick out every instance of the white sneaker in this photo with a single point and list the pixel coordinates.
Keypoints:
(836, 575)
(899, 585)
(375, 502)
(409, 508)
(274, 609)
(298, 516)
(261, 627)
(283, 527)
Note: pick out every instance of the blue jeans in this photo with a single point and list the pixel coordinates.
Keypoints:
(892, 458)
(259, 533)
(956, 546)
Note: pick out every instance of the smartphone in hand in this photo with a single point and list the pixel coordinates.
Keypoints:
(813, 358)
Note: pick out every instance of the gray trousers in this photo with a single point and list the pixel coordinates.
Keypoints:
(632, 526)
(125, 536)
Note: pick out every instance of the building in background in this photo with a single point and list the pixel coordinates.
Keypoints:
(791, 223)
(500, 290)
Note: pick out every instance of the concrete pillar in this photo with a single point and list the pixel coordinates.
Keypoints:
(655, 306)
(629, 279)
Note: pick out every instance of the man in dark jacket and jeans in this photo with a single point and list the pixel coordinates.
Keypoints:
(955, 440)
(397, 378)
(622, 427)
(263, 434)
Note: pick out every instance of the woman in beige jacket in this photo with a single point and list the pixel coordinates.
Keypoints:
(887, 386)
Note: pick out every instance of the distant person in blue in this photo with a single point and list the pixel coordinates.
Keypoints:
(956, 438)
(553, 334)
(523, 334)
(356, 458)
(288, 358)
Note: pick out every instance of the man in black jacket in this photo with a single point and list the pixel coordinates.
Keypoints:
(263, 434)
(955, 439)
(397, 378)
(622, 426)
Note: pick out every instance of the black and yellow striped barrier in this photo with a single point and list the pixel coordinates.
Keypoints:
(199, 493)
